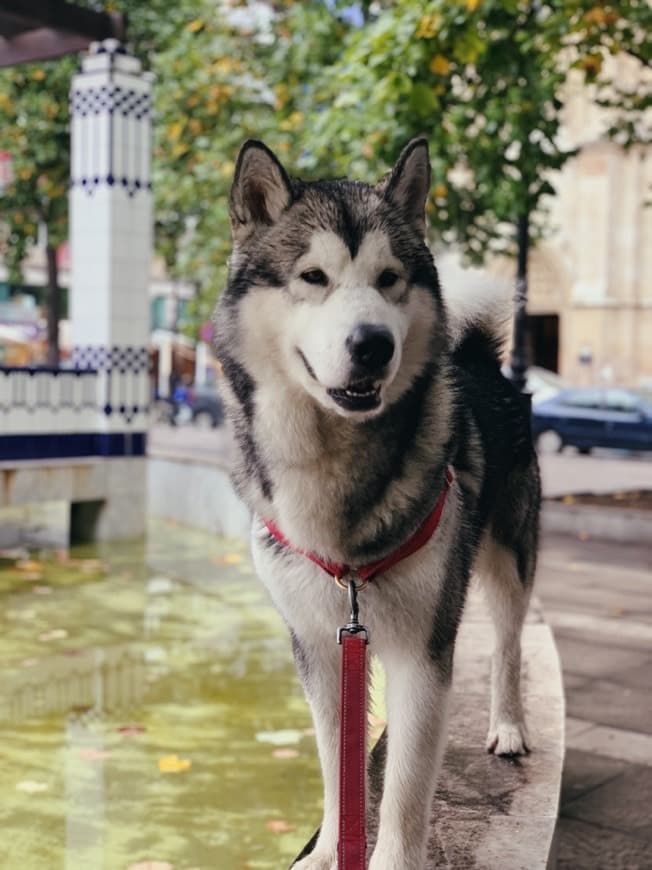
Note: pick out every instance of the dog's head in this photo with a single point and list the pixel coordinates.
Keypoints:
(334, 285)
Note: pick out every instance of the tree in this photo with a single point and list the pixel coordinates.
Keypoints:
(34, 131)
(484, 81)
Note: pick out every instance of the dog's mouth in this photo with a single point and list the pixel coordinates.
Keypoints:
(358, 396)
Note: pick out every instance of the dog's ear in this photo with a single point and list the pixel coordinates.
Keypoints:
(261, 190)
(408, 184)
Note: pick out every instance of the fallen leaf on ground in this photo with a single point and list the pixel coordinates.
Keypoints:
(279, 826)
(42, 590)
(285, 753)
(31, 786)
(174, 764)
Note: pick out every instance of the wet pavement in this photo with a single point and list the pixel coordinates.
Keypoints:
(137, 722)
(597, 596)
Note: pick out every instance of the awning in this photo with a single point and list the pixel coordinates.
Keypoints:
(32, 30)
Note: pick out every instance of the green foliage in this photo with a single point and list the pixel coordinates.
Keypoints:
(482, 79)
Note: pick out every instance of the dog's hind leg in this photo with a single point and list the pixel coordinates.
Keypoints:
(507, 579)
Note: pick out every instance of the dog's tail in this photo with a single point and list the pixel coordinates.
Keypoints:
(479, 310)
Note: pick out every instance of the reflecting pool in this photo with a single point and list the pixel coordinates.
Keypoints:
(150, 716)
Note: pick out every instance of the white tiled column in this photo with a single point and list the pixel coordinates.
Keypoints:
(111, 233)
(111, 250)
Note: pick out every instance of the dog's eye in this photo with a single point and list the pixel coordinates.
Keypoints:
(315, 276)
(386, 279)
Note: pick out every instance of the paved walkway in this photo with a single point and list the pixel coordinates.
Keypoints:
(598, 599)
(606, 471)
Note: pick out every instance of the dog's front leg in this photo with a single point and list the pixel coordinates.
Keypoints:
(417, 698)
(318, 664)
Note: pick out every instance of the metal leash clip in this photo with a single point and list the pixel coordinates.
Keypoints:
(353, 627)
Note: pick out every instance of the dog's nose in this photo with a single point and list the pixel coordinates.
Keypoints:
(371, 347)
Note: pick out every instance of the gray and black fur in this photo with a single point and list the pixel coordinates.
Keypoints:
(346, 452)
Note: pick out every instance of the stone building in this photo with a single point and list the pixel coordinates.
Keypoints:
(590, 289)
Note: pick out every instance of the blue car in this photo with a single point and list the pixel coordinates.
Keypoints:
(594, 417)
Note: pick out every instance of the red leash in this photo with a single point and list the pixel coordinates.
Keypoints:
(352, 840)
(354, 637)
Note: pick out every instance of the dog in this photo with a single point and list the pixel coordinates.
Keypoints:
(352, 383)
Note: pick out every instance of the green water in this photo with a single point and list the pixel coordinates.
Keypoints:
(150, 716)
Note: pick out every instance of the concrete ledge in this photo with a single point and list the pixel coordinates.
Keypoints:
(494, 813)
(618, 525)
(116, 484)
(195, 494)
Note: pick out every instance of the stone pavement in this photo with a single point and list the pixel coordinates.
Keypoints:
(598, 599)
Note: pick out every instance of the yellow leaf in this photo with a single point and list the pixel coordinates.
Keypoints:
(195, 26)
(175, 130)
(568, 499)
(440, 65)
(179, 149)
(38, 75)
(428, 26)
(227, 169)
(472, 5)
(174, 764)
(440, 191)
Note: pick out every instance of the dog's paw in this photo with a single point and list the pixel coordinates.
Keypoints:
(317, 861)
(508, 738)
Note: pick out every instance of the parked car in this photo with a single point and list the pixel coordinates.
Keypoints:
(206, 406)
(594, 417)
(541, 383)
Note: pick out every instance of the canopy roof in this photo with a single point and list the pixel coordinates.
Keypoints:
(33, 30)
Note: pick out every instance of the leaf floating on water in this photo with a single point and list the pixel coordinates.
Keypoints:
(151, 865)
(93, 754)
(53, 634)
(279, 738)
(31, 576)
(159, 586)
(31, 786)
(279, 826)
(29, 565)
(131, 730)
(285, 753)
(174, 764)
(229, 559)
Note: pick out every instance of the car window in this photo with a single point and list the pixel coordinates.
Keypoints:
(621, 400)
(583, 399)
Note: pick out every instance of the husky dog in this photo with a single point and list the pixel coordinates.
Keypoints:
(352, 385)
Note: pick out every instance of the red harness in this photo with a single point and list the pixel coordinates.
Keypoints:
(352, 841)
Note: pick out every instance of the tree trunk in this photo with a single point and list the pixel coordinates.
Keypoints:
(518, 361)
(53, 305)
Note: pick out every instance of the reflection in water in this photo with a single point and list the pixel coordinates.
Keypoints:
(134, 681)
